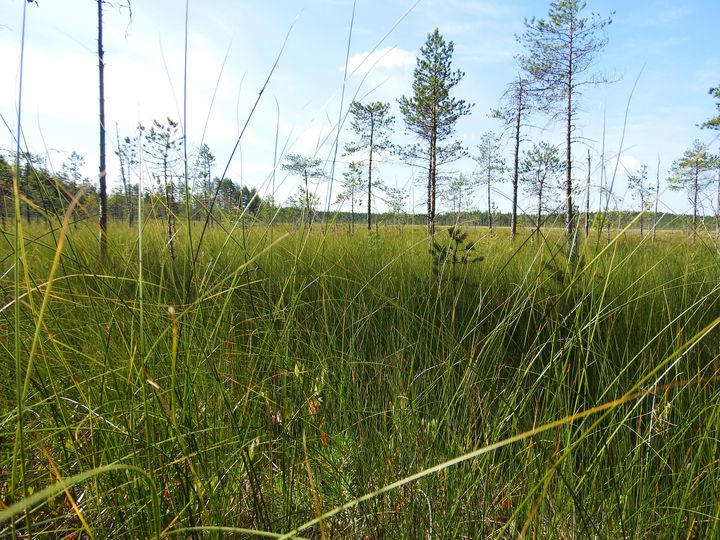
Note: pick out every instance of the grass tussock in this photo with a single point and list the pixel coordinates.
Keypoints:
(263, 384)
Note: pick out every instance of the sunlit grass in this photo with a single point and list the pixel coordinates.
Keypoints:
(282, 380)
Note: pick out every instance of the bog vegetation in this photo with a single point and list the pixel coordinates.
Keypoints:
(229, 365)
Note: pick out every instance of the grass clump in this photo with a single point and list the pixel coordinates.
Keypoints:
(280, 381)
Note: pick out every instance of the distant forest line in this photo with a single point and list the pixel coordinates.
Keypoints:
(46, 196)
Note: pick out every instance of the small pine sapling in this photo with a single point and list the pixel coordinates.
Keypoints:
(458, 251)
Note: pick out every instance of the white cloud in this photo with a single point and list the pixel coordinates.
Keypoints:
(387, 58)
(62, 86)
(629, 163)
(313, 141)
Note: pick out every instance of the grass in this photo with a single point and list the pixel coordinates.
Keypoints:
(279, 382)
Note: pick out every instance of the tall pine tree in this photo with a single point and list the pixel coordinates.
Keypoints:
(491, 167)
(514, 109)
(371, 123)
(431, 114)
(560, 50)
(692, 172)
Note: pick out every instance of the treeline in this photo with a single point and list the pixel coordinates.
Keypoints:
(613, 220)
(46, 194)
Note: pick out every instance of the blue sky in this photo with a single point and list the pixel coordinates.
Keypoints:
(674, 44)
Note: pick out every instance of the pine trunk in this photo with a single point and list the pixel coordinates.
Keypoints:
(28, 215)
(568, 138)
(695, 197)
(642, 212)
(717, 208)
(170, 203)
(370, 165)
(657, 197)
(539, 212)
(307, 200)
(587, 200)
(2, 206)
(432, 181)
(490, 223)
(516, 162)
(103, 171)
(568, 163)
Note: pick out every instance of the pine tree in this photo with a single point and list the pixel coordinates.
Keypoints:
(71, 170)
(371, 123)
(163, 145)
(395, 199)
(691, 173)
(460, 188)
(103, 169)
(102, 173)
(431, 114)
(491, 167)
(560, 52)
(352, 189)
(540, 165)
(308, 168)
(306, 202)
(638, 183)
(126, 153)
(514, 109)
(202, 169)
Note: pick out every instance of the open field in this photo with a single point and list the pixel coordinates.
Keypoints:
(354, 286)
(277, 376)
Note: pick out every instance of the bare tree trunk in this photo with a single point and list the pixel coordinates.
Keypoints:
(170, 203)
(538, 218)
(434, 195)
(370, 164)
(308, 210)
(28, 216)
(539, 212)
(129, 203)
(170, 218)
(568, 142)
(490, 223)
(208, 190)
(432, 181)
(642, 213)
(123, 177)
(695, 197)
(516, 161)
(3, 210)
(429, 195)
(568, 165)
(103, 170)
(717, 208)
(657, 197)
(587, 201)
